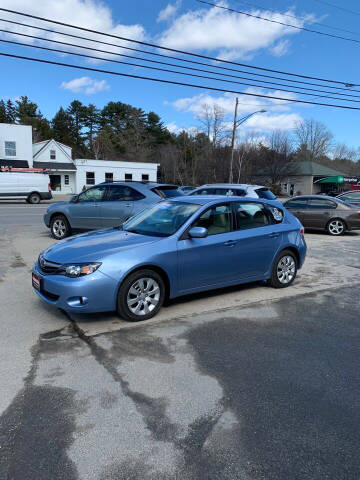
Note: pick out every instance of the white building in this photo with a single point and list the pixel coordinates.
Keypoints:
(91, 172)
(56, 157)
(66, 175)
(15, 146)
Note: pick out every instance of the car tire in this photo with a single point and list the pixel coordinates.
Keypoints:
(60, 227)
(141, 295)
(34, 198)
(284, 270)
(336, 227)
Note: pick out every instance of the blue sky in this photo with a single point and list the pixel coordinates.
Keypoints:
(191, 26)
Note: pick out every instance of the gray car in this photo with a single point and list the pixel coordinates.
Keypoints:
(105, 205)
(324, 213)
(237, 189)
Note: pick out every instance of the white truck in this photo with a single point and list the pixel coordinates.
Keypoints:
(33, 185)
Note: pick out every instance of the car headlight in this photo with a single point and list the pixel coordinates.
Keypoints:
(81, 269)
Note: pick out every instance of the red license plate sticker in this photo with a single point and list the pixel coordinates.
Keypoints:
(36, 282)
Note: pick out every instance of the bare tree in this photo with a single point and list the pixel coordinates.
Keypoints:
(313, 139)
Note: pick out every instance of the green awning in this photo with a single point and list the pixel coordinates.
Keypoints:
(336, 179)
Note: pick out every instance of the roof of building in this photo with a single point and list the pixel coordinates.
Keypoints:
(55, 165)
(306, 168)
(46, 143)
(13, 163)
(315, 169)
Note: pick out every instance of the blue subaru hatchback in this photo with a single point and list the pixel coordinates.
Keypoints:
(176, 247)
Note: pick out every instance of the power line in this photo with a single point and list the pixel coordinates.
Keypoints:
(298, 18)
(171, 82)
(338, 7)
(280, 23)
(172, 71)
(175, 50)
(158, 55)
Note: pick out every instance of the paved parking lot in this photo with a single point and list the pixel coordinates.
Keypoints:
(242, 383)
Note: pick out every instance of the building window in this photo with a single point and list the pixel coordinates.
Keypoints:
(10, 149)
(128, 176)
(90, 178)
(66, 180)
(52, 154)
(145, 177)
(109, 177)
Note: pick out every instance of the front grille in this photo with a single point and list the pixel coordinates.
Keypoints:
(49, 295)
(48, 267)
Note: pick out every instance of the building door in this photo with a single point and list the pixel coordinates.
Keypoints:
(55, 183)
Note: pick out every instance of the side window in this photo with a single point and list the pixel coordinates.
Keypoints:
(204, 191)
(238, 192)
(219, 191)
(319, 204)
(120, 193)
(90, 178)
(92, 195)
(250, 215)
(216, 219)
(10, 149)
(297, 204)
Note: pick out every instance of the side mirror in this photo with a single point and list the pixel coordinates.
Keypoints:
(74, 198)
(198, 232)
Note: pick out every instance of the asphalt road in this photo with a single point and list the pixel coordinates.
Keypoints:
(21, 214)
(240, 384)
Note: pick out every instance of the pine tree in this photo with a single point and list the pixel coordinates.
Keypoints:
(10, 111)
(63, 128)
(3, 115)
(26, 110)
(91, 123)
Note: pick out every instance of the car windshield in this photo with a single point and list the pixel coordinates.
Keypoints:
(162, 220)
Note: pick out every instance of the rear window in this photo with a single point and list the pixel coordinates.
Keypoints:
(167, 192)
(265, 193)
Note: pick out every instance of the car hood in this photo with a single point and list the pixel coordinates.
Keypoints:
(94, 246)
(55, 205)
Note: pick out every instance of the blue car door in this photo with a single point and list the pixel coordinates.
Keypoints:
(85, 211)
(207, 261)
(118, 205)
(257, 239)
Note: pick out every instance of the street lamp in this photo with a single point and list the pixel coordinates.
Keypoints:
(237, 123)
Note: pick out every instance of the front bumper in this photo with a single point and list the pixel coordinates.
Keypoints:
(89, 294)
(47, 219)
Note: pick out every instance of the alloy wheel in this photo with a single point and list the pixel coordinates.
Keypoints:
(59, 228)
(286, 269)
(143, 296)
(336, 227)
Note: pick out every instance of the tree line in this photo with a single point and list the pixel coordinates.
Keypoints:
(120, 131)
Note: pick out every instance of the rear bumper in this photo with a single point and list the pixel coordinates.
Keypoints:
(94, 293)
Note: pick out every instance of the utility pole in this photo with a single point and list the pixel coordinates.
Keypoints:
(236, 124)
(233, 141)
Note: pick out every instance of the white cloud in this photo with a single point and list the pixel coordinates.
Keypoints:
(277, 117)
(230, 34)
(169, 11)
(85, 85)
(92, 14)
(280, 48)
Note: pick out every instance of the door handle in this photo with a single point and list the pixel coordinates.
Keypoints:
(128, 205)
(274, 235)
(230, 243)
(96, 205)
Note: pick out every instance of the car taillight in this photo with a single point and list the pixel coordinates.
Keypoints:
(49, 187)
(301, 231)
